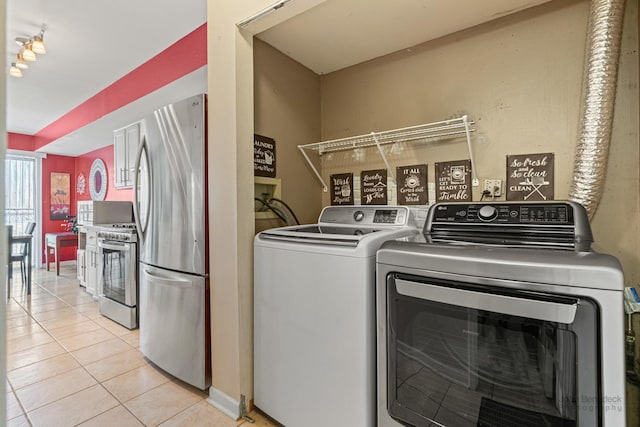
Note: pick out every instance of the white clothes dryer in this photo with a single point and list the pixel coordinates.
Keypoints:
(314, 315)
(500, 315)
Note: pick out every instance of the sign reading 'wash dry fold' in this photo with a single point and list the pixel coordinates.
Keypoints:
(264, 156)
(373, 187)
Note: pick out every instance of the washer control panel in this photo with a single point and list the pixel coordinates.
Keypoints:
(557, 213)
(365, 215)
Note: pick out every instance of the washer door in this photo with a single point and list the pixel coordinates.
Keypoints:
(468, 354)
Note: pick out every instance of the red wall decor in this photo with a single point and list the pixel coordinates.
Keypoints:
(83, 165)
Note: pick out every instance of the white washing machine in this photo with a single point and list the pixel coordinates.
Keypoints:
(314, 315)
(500, 315)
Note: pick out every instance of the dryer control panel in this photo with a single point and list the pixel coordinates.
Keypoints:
(552, 224)
(511, 213)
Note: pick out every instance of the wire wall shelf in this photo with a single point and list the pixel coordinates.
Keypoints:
(425, 133)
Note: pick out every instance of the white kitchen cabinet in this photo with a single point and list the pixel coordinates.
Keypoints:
(125, 148)
(81, 267)
(87, 258)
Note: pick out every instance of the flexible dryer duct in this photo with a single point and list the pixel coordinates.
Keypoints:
(599, 91)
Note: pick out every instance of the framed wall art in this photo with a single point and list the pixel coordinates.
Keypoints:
(60, 196)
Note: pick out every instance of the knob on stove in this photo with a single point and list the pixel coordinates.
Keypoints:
(487, 213)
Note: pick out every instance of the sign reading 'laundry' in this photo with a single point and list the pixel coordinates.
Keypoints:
(264, 156)
(373, 187)
(530, 177)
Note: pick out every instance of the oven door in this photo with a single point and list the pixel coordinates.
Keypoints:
(463, 354)
(119, 271)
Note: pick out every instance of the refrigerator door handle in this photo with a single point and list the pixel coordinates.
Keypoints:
(136, 178)
(176, 283)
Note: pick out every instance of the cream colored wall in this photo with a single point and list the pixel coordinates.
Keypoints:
(230, 121)
(3, 149)
(520, 79)
(231, 217)
(287, 109)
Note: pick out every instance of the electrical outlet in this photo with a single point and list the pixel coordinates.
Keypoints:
(493, 186)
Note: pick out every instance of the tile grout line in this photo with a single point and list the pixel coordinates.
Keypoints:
(28, 312)
(92, 376)
(101, 383)
(15, 396)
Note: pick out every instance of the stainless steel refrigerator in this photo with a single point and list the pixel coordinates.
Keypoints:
(171, 216)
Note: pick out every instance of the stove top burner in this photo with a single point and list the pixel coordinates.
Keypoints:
(125, 225)
(124, 232)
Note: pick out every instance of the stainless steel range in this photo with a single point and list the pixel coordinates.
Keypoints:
(118, 275)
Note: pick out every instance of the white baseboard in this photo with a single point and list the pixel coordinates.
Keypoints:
(223, 402)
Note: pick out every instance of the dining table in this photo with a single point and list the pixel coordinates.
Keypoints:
(56, 241)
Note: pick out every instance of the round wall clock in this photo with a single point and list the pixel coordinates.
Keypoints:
(98, 180)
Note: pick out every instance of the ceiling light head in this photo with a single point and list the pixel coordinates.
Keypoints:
(21, 63)
(38, 44)
(14, 71)
(28, 54)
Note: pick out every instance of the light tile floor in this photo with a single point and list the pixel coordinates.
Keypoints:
(67, 365)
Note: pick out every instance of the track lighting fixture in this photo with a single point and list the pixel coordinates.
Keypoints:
(30, 47)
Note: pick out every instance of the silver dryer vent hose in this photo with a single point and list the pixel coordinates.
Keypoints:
(599, 92)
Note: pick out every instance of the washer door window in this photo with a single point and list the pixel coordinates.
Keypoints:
(461, 354)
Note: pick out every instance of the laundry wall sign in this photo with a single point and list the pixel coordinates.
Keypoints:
(264, 156)
(342, 189)
(412, 185)
(453, 181)
(530, 177)
(373, 187)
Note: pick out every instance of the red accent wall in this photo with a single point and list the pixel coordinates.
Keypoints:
(18, 141)
(181, 58)
(61, 164)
